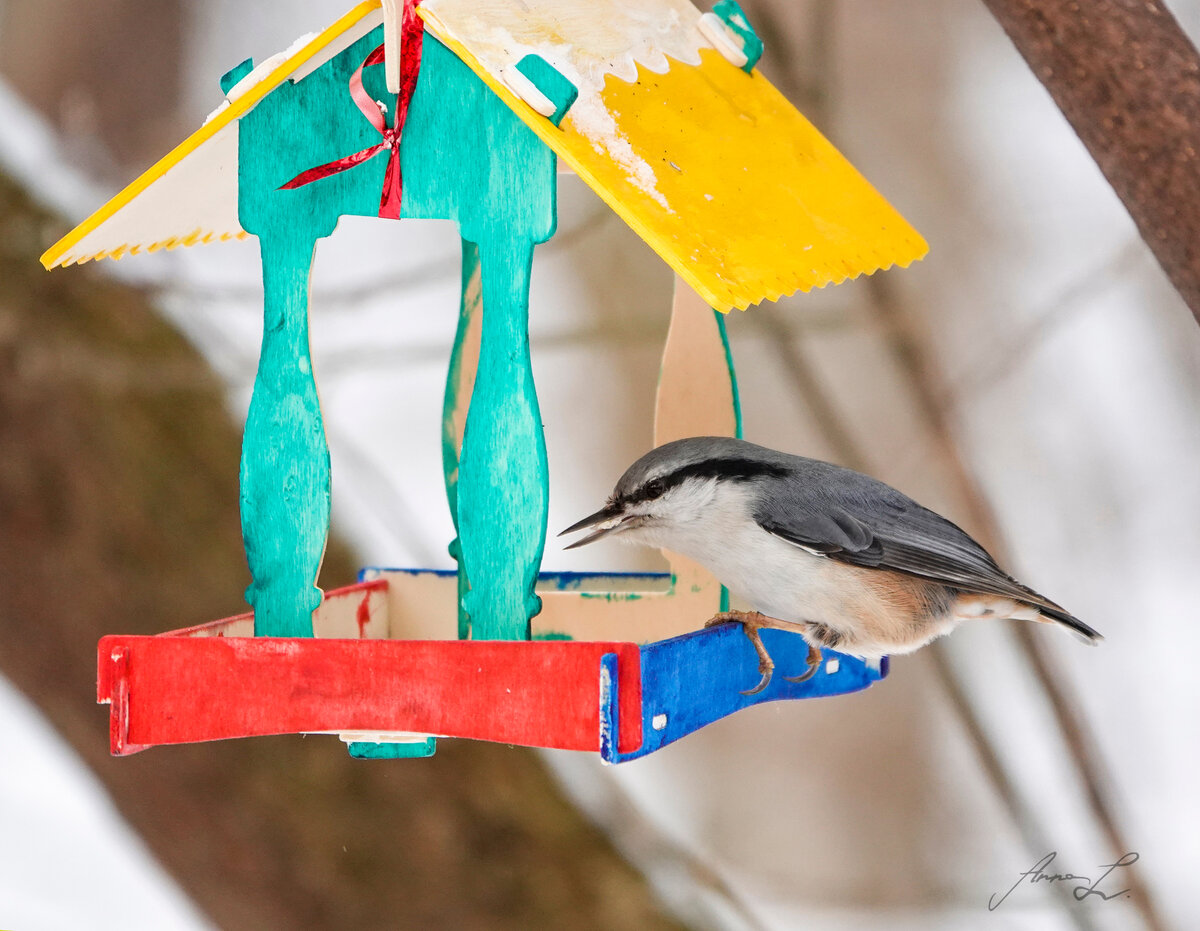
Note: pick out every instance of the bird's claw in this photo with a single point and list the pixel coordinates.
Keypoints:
(766, 672)
(814, 663)
(751, 622)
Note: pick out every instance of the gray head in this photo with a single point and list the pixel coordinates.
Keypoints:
(675, 484)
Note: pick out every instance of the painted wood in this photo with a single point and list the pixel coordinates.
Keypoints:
(393, 22)
(617, 698)
(230, 79)
(503, 492)
(192, 689)
(723, 39)
(698, 157)
(697, 396)
(460, 379)
(691, 681)
(735, 19)
(466, 157)
(285, 458)
(358, 611)
(190, 196)
(551, 84)
(285, 474)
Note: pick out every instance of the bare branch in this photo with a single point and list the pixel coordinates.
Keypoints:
(1127, 78)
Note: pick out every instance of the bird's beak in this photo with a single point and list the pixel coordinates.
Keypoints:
(606, 521)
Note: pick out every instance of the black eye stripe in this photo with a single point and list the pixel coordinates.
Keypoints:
(728, 470)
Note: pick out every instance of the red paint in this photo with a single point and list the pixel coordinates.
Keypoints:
(220, 628)
(363, 615)
(169, 689)
(412, 31)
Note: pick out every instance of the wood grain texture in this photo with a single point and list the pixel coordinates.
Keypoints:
(711, 166)
(1127, 78)
(189, 196)
(285, 472)
(118, 512)
(466, 157)
(193, 689)
(285, 457)
(460, 379)
(697, 396)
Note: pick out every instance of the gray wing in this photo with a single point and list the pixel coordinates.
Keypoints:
(855, 519)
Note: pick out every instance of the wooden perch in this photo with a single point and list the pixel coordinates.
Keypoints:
(1127, 78)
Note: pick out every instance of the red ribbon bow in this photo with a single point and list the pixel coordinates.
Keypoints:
(411, 32)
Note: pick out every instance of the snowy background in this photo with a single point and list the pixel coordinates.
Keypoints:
(1074, 371)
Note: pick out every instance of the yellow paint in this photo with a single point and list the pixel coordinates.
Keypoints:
(60, 252)
(760, 203)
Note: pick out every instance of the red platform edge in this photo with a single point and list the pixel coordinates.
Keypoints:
(176, 688)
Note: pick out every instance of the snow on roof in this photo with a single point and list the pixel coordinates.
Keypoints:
(711, 166)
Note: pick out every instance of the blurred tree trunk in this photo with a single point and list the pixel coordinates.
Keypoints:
(118, 513)
(99, 70)
(1127, 78)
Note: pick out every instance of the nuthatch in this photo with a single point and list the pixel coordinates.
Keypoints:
(844, 560)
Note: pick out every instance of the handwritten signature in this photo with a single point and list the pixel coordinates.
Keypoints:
(1087, 887)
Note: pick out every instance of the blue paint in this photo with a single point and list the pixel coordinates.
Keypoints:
(698, 678)
(561, 581)
(551, 82)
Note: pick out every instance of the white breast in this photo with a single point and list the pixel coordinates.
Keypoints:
(775, 577)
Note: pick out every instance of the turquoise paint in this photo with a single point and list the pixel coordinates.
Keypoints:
(735, 18)
(233, 75)
(466, 157)
(503, 482)
(285, 459)
(470, 306)
(737, 408)
(407, 751)
(615, 596)
(285, 471)
(552, 635)
(733, 382)
(551, 82)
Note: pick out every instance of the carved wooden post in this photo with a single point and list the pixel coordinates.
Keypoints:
(464, 360)
(503, 489)
(285, 458)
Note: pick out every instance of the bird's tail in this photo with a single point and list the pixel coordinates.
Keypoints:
(1049, 612)
(1082, 631)
(1022, 603)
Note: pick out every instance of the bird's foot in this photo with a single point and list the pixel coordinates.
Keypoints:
(752, 622)
(814, 663)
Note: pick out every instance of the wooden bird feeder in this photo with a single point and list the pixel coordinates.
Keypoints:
(458, 109)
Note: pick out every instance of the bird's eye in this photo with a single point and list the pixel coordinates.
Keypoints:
(655, 488)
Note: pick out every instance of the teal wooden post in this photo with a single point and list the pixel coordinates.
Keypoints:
(458, 394)
(285, 458)
(466, 156)
(503, 482)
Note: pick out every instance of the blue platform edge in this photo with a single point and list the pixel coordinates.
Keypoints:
(689, 682)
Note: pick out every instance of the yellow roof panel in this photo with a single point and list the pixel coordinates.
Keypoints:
(191, 195)
(713, 167)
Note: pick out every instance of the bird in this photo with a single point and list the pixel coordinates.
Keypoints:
(840, 558)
